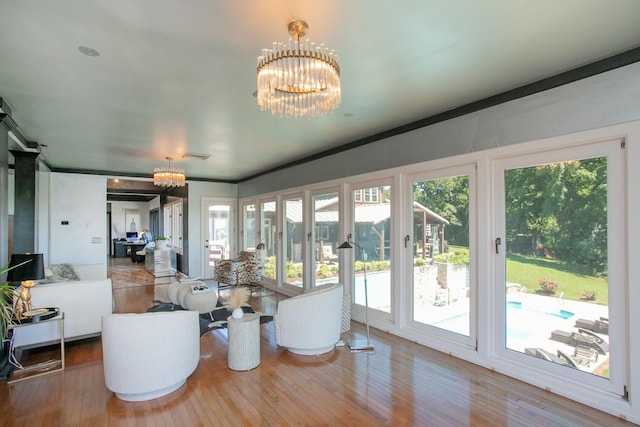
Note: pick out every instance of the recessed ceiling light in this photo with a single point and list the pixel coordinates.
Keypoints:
(88, 51)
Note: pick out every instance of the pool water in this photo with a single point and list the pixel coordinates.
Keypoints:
(564, 314)
(523, 323)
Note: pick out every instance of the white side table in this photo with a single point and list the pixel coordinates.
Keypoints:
(244, 342)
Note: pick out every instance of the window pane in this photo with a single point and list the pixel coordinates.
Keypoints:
(326, 220)
(269, 237)
(218, 233)
(556, 263)
(441, 285)
(249, 227)
(373, 256)
(293, 234)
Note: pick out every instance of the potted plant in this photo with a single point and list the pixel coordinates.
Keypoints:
(7, 293)
(6, 319)
(6, 307)
(161, 242)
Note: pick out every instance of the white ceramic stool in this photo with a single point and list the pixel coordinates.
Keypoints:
(244, 342)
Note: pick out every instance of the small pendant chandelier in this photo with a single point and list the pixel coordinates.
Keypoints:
(168, 177)
(299, 79)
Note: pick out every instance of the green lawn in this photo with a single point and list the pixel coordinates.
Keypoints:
(570, 278)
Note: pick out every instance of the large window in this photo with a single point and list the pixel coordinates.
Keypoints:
(293, 234)
(249, 233)
(269, 237)
(514, 256)
(372, 237)
(556, 258)
(326, 219)
(442, 251)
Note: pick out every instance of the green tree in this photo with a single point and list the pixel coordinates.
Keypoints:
(561, 208)
(449, 198)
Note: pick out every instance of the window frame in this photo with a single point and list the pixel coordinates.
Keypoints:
(616, 241)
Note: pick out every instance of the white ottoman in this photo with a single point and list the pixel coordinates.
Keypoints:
(203, 301)
(172, 291)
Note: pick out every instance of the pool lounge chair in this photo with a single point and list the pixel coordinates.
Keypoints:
(581, 339)
(541, 353)
(600, 326)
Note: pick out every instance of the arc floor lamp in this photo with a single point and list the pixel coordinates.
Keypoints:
(361, 345)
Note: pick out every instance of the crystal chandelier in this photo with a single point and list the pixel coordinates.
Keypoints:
(168, 177)
(299, 78)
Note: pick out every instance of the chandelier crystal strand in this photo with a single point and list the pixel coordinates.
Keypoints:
(299, 78)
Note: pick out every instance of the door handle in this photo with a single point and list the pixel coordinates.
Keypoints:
(498, 243)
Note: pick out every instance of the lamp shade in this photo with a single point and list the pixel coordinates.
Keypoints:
(345, 245)
(25, 267)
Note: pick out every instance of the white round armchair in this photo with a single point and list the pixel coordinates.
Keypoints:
(149, 355)
(310, 323)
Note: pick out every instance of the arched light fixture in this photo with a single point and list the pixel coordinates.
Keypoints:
(169, 177)
(300, 78)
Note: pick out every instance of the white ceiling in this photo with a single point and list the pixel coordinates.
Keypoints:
(177, 76)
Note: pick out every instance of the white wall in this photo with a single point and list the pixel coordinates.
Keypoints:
(82, 201)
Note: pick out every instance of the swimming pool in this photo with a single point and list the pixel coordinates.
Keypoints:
(523, 323)
(564, 314)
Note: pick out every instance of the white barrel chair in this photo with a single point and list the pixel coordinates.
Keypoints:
(310, 324)
(149, 355)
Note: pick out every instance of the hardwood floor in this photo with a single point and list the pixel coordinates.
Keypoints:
(402, 383)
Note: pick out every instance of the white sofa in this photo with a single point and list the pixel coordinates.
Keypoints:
(83, 302)
(149, 355)
(310, 324)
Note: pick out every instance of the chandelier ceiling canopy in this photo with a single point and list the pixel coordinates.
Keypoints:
(300, 78)
(169, 177)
